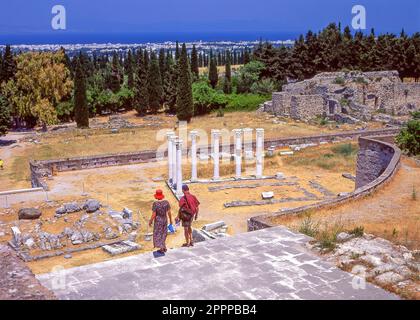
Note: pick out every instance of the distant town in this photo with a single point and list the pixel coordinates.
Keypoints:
(109, 48)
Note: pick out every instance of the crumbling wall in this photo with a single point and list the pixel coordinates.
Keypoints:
(306, 107)
(368, 92)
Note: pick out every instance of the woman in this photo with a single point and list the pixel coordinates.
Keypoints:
(161, 211)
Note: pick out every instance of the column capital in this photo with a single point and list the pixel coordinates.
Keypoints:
(237, 131)
(193, 133)
(178, 142)
(170, 134)
(215, 133)
(259, 131)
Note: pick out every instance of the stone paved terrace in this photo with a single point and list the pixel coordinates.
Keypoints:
(266, 264)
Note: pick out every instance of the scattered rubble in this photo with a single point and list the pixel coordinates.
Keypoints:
(210, 231)
(391, 266)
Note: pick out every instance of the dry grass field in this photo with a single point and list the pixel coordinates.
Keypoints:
(74, 143)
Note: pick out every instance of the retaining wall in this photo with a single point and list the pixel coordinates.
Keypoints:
(382, 154)
(41, 170)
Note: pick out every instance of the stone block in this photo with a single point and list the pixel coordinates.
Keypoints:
(214, 225)
(121, 247)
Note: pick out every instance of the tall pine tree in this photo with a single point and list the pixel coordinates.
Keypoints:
(81, 111)
(4, 115)
(114, 79)
(8, 69)
(184, 99)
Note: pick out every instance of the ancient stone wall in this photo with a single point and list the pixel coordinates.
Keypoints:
(43, 169)
(305, 107)
(389, 158)
(357, 94)
(372, 160)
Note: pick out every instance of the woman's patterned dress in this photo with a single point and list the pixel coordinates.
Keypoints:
(160, 227)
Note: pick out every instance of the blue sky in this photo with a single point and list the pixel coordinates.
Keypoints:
(33, 17)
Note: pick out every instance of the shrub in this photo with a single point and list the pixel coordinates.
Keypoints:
(264, 86)
(357, 232)
(220, 113)
(206, 99)
(309, 227)
(414, 194)
(339, 80)
(327, 240)
(245, 102)
(409, 138)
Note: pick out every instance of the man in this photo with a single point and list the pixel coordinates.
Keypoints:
(188, 210)
(1, 164)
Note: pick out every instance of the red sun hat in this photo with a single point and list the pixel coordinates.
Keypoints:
(159, 194)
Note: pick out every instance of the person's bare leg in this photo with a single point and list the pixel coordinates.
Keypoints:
(187, 236)
(190, 235)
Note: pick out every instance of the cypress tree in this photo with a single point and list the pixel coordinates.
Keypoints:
(170, 85)
(114, 79)
(81, 111)
(227, 85)
(130, 70)
(141, 97)
(213, 74)
(184, 99)
(162, 64)
(8, 69)
(247, 58)
(194, 63)
(177, 52)
(155, 85)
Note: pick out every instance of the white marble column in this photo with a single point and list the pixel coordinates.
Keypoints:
(193, 135)
(174, 166)
(260, 153)
(238, 152)
(216, 153)
(169, 136)
(179, 167)
(248, 153)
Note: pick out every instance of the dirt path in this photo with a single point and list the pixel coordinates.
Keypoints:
(393, 212)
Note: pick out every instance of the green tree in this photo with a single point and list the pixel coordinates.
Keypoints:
(184, 99)
(41, 82)
(4, 115)
(170, 85)
(81, 110)
(8, 68)
(194, 63)
(213, 73)
(227, 85)
(141, 97)
(114, 79)
(130, 70)
(155, 85)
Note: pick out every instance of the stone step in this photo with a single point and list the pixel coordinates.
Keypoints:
(266, 264)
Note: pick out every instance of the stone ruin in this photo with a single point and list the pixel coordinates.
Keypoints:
(347, 97)
(112, 226)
